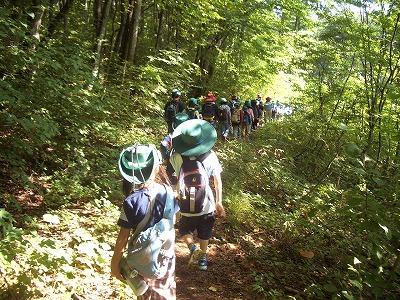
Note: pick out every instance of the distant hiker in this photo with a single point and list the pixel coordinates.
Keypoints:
(260, 107)
(146, 222)
(166, 148)
(192, 109)
(254, 108)
(196, 165)
(237, 119)
(247, 120)
(209, 109)
(173, 107)
(268, 108)
(275, 110)
(234, 100)
(224, 116)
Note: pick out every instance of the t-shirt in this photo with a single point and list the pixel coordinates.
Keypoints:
(213, 168)
(166, 146)
(178, 105)
(269, 105)
(225, 111)
(135, 207)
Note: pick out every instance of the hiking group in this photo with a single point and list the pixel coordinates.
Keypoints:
(232, 118)
(180, 184)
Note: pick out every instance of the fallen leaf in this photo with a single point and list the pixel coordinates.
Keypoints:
(306, 254)
(356, 261)
(52, 219)
(214, 289)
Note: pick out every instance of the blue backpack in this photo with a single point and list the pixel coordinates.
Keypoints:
(151, 250)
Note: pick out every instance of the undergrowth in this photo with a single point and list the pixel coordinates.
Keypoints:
(305, 226)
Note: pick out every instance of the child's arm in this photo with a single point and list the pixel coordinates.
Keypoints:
(119, 248)
(218, 195)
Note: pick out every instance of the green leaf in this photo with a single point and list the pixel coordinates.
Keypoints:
(357, 284)
(355, 200)
(343, 126)
(31, 14)
(347, 295)
(330, 287)
(385, 229)
(360, 171)
(352, 150)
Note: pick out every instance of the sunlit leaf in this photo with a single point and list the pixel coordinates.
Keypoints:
(212, 288)
(306, 254)
(52, 219)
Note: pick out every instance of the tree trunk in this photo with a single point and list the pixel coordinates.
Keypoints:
(126, 35)
(134, 30)
(97, 16)
(103, 26)
(122, 28)
(37, 20)
(60, 16)
(160, 15)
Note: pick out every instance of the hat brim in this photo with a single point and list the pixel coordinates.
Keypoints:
(209, 138)
(137, 173)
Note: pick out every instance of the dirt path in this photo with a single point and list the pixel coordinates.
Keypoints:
(228, 275)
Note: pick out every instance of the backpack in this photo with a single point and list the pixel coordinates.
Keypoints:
(223, 112)
(150, 251)
(193, 184)
(236, 116)
(246, 117)
(191, 112)
(208, 112)
(170, 111)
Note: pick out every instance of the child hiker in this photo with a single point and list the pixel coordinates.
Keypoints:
(196, 165)
(149, 209)
(166, 147)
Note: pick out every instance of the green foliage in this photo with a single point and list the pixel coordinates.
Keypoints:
(32, 258)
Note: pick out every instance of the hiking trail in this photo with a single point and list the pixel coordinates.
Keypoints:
(229, 271)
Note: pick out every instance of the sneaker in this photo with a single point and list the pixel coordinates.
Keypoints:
(203, 262)
(194, 255)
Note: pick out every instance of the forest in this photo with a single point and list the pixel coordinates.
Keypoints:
(311, 200)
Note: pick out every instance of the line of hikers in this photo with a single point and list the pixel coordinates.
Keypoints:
(157, 185)
(230, 117)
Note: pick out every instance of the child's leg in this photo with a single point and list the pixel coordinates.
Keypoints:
(203, 245)
(188, 239)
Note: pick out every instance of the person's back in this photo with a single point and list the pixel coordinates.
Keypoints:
(209, 112)
(237, 118)
(247, 120)
(192, 109)
(224, 118)
(194, 161)
(173, 107)
(268, 108)
(149, 264)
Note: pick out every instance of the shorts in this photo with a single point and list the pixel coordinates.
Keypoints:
(202, 224)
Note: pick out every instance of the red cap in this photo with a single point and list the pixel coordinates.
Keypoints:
(210, 97)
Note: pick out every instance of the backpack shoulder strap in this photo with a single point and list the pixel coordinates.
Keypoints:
(169, 202)
(202, 157)
(146, 219)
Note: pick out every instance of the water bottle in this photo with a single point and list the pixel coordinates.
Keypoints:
(133, 278)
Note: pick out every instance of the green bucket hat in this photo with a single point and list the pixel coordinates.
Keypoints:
(224, 101)
(247, 103)
(137, 163)
(194, 137)
(193, 102)
(180, 118)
